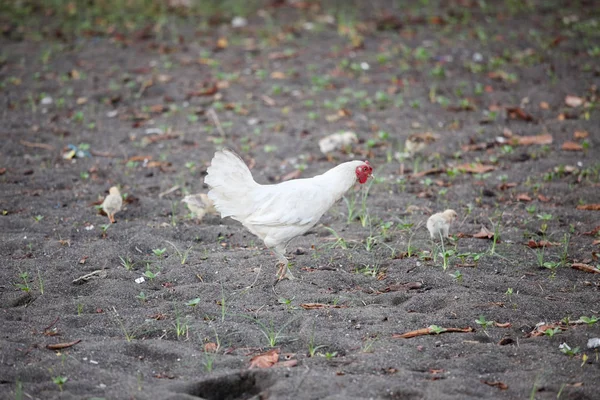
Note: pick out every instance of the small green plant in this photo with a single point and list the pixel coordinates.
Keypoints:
(104, 228)
(369, 270)
(436, 329)
(550, 332)
(159, 252)
(181, 326)
(60, 381)
(272, 334)
(182, 256)
(38, 218)
(142, 297)
(329, 355)
(484, 322)
(79, 308)
(149, 274)
(193, 302)
(287, 302)
(566, 349)
(127, 263)
(339, 241)
(312, 348)
(457, 275)
(209, 360)
(25, 285)
(589, 320)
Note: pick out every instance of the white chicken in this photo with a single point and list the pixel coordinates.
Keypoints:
(439, 224)
(112, 203)
(280, 212)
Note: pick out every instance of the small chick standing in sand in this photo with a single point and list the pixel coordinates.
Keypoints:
(199, 204)
(112, 203)
(439, 224)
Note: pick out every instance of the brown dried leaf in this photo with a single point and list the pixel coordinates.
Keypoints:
(314, 306)
(589, 207)
(484, 233)
(502, 324)
(518, 113)
(523, 197)
(544, 105)
(542, 243)
(573, 101)
(277, 75)
(429, 331)
(530, 140)
(498, 384)
(571, 146)
(60, 346)
(475, 168)
(593, 232)
(210, 347)
(585, 268)
(580, 134)
(265, 360)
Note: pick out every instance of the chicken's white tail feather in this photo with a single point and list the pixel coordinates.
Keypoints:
(229, 180)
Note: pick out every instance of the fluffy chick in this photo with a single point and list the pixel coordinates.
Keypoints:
(200, 204)
(112, 203)
(439, 224)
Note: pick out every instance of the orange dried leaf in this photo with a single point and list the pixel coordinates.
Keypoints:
(542, 243)
(589, 207)
(475, 168)
(265, 360)
(571, 146)
(430, 331)
(498, 384)
(211, 347)
(518, 113)
(585, 268)
(544, 105)
(484, 233)
(530, 140)
(580, 134)
(277, 75)
(523, 197)
(502, 324)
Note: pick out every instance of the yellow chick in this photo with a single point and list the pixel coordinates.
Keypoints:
(417, 142)
(199, 204)
(439, 224)
(112, 203)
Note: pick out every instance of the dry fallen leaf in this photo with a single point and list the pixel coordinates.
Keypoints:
(277, 75)
(211, 347)
(571, 146)
(484, 233)
(530, 140)
(542, 243)
(518, 113)
(586, 268)
(589, 207)
(431, 331)
(523, 197)
(544, 105)
(314, 306)
(580, 134)
(498, 384)
(265, 360)
(573, 101)
(475, 168)
(502, 324)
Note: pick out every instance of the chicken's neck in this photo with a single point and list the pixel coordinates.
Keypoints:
(338, 180)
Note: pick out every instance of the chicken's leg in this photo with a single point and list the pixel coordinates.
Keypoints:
(284, 271)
